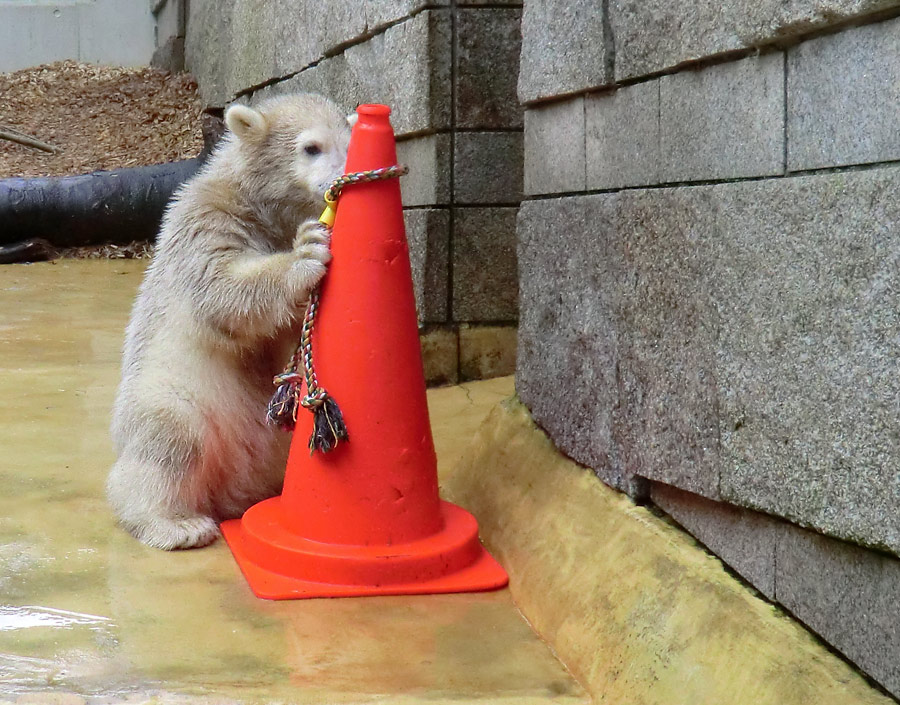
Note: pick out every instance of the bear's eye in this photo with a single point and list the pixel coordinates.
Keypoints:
(313, 150)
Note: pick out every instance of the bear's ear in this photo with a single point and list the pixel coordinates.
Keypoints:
(352, 118)
(245, 122)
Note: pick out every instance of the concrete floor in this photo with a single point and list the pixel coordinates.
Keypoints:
(89, 614)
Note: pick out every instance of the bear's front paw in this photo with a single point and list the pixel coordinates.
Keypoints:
(311, 241)
(311, 249)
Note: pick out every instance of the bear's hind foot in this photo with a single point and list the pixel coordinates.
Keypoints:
(172, 534)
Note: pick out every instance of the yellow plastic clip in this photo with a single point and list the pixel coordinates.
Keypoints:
(327, 217)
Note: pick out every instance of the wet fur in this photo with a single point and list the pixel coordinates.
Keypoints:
(216, 318)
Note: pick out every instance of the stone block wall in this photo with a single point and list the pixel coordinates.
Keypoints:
(448, 70)
(709, 256)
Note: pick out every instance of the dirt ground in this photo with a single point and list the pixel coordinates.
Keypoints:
(100, 117)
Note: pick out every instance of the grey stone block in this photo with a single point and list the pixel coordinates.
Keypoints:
(484, 264)
(621, 370)
(339, 24)
(846, 594)
(639, 312)
(563, 49)
(208, 30)
(406, 67)
(807, 283)
(622, 137)
(555, 148)
(487, 167)
(301, 33)
(254, 34)
(309, 31)
(844, 98)
(653, 35)
(256, 30)
(428, 159)
(665, 421)
(488, 41)
(428, 234)
(568, 337)
(723, 122)
(743, 539)
(382, 12)
(767, 309)
(277, 38)
(331, 78)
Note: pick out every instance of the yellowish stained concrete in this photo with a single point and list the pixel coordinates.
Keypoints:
(638, 611)
(87, 610)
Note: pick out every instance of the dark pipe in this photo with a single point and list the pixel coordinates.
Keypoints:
(107, 206)
(34, 250)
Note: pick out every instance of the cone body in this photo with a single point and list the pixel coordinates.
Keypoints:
(366, 517)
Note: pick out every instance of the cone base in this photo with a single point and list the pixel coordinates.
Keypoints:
(282, 566)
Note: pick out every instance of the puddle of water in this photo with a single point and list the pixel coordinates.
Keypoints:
(28, 617)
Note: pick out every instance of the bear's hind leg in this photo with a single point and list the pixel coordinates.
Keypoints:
(146, 498)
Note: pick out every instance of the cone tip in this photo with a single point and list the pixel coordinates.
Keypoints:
(373, 110)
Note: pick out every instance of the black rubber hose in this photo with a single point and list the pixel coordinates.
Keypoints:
(107, 206)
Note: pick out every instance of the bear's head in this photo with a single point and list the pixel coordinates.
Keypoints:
(291, 147)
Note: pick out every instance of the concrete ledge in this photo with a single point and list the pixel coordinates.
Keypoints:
(631, 604)
(846, 593)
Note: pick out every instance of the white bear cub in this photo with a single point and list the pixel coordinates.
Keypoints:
(216, 318)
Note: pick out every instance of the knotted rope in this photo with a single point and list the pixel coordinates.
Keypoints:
(328, 421)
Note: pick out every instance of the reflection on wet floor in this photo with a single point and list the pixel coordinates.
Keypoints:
(86, 609)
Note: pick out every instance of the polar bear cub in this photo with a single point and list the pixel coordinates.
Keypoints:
(216, 318)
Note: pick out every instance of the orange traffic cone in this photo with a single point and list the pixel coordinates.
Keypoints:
(365, 518)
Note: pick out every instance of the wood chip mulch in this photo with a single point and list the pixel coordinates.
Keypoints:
(133, 250)
(40, 250)
(101, 117)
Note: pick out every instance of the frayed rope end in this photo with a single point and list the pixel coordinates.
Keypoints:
(282, 409)
(329, 428)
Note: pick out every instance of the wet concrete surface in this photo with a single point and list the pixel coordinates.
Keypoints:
(89, 614)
